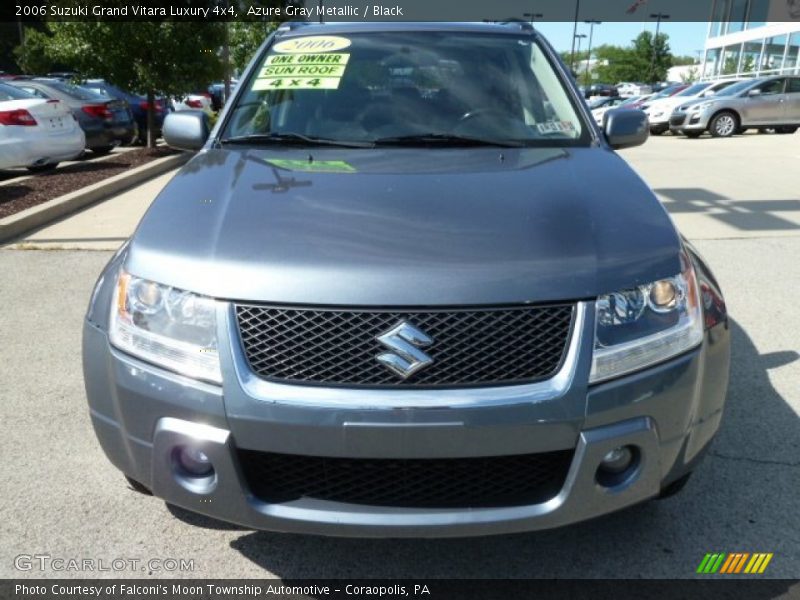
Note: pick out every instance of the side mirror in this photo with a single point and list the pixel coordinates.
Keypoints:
(626, 128)
(755, 92)
(186, 129)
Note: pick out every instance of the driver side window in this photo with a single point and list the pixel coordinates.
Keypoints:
(772, 87)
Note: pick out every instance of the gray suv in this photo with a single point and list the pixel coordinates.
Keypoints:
(766, 103)
(406, 287)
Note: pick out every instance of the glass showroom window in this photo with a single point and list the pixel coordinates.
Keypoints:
(738, 16)
(730, 59)
(792, 63)
(751, 56)
(711, 66)
(719, 17)
(772, 59)
(759, 9)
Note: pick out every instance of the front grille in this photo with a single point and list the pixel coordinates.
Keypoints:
(677, 120)
(411, 483)
(497, 346)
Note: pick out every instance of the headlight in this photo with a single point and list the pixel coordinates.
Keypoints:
(701, 106)
(642, 326)
(166, 326)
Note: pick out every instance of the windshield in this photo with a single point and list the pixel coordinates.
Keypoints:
(599, 102)
(734, 89)
(75, 91)
(372, 87)
(665, 93)
(693, 90)
(9, 92)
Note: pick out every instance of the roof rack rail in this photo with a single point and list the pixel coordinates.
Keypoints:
(522, 23)
(292, 25)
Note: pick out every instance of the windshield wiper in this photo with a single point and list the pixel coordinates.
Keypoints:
(292, 138)
(444, 139)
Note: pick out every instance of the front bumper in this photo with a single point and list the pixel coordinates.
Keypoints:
(689, 121)
(141, 413)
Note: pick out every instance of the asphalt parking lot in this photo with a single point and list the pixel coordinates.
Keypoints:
(737, 199)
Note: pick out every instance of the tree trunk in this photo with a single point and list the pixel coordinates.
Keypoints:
(151, 119)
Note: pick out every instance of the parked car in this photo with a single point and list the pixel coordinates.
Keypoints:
(34, 132)
(601, 89)
(217, 92)
(106, 123)
(601, 105)
(664, 93)
(194, 102)
(137, 103)
(768, 102)
(659, 111)
(404, 310)
(628, 89)
(637, 102)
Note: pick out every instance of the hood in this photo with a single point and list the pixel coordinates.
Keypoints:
(402, 226)
(695, 101)
(667, 104)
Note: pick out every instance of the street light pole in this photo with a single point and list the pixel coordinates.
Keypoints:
(658, 17)
(579, 37)
(574, 33)
(589, 55)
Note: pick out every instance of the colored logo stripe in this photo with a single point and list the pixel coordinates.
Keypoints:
(734, 563)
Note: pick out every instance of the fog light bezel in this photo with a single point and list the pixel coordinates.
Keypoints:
(610, 478)
(195, 482)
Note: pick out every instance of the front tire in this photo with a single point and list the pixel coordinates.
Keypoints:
(693, 134)
(138, 487)
(43, 168)
(724, 125)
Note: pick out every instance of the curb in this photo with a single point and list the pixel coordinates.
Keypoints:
(42, 214)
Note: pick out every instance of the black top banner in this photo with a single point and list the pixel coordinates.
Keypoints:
(392, 10)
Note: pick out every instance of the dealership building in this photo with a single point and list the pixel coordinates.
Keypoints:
(752, 38)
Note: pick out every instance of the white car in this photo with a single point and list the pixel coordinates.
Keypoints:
(35, 132)
(629, 90)
(600, 105)
(659, 111)
(193, 102)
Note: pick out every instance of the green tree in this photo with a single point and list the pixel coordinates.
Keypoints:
(245, 39)
(654, 63)
(154, 57)
(682, 61)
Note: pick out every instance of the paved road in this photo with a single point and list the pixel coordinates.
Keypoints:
(738, 199)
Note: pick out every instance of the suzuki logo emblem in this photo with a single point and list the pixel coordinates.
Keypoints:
(406, 358)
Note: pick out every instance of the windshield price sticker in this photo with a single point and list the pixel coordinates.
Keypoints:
(307, 59)
(310, 44)
(556, 127)
(302, 72)
(296, 83)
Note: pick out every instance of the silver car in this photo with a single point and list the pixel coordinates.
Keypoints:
(769, 102)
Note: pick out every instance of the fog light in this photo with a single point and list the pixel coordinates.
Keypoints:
(194, 462)
(618, 460)
(618, 467)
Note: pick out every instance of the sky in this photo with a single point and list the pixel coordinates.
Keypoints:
(684, 38)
